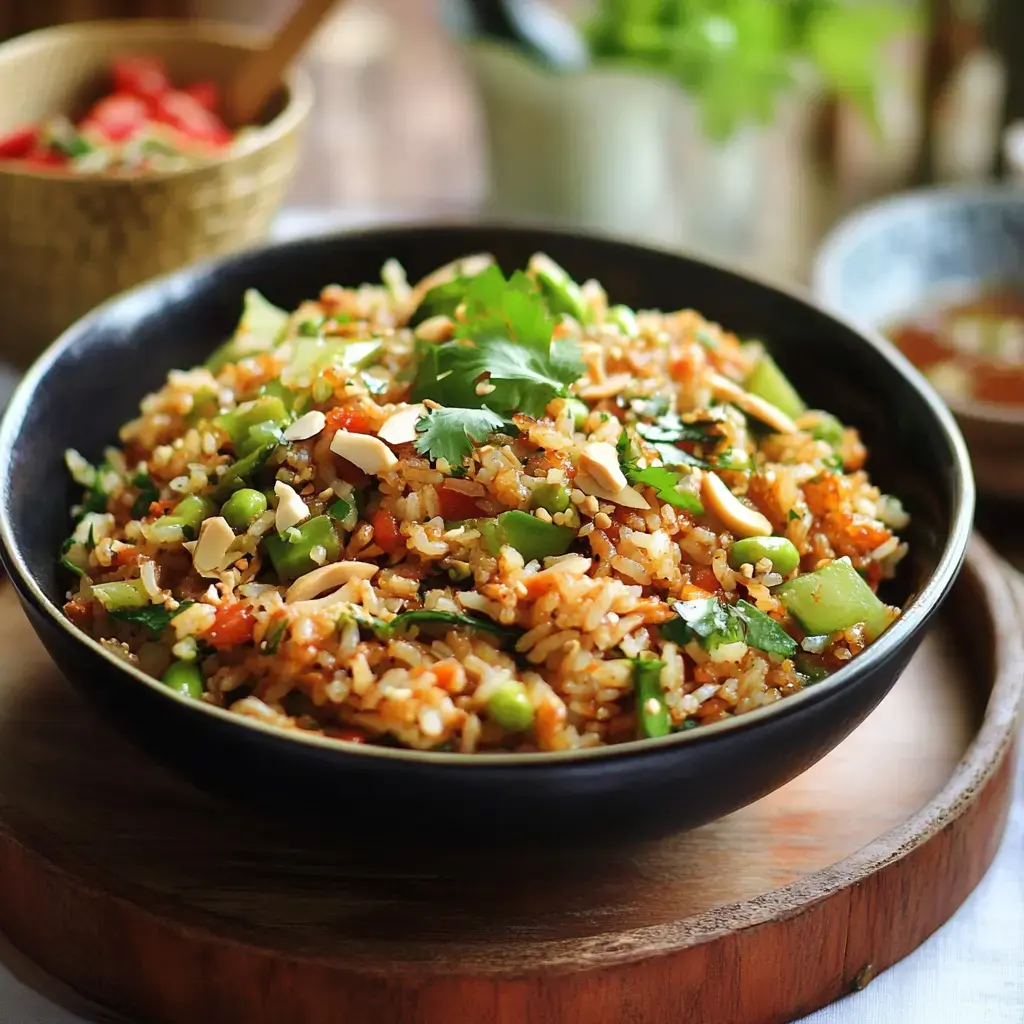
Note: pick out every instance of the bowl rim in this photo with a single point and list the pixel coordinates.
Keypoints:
(846, 236)
(297, 81)
(918, 611)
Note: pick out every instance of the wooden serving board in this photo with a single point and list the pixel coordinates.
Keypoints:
(141, 896)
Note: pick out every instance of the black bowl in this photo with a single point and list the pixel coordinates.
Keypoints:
(90, 381)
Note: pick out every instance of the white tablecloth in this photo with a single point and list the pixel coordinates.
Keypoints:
(970, 972)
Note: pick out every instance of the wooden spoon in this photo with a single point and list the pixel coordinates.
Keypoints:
(261, 74)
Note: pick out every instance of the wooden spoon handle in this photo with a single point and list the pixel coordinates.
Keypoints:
(254, 83)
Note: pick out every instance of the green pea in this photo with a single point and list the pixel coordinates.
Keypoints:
(243, 508)
(552, 497)
(781, 552)
(510, 707)
(184, 677)
(580, 411)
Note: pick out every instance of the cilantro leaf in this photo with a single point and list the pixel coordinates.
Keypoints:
(154, 616)
(665, 481)
(451, 433)
(714, 622)
(666, 484)
(764, 633)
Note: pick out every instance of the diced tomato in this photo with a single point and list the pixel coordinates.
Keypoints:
(191, 118)
(206, 94)
(233, 625)
(456, 505)
(18, 143)
(348, 418)
(386, 532)
(140, 76)
(118, 116)
(41, 156)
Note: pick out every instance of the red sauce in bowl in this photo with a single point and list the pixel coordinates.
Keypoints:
(972, 349)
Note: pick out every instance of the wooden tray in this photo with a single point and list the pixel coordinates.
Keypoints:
(147, 898)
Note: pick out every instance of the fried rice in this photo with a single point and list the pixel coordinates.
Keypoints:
(481, 514)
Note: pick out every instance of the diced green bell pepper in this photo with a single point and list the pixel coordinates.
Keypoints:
(767, 381)
(251, 425)
(531, 537)
(121, 594)
(259, 330)
(562, 293)
(239, 473)
(652, 717)
(291, 555)
(834, 598)
(625, 319)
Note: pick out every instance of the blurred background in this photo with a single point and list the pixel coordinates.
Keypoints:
(739, 128)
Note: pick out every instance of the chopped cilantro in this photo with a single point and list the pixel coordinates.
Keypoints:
(155, 617)
(374, 384)
(714, 622)
(670, 429)
(666, 484)
(451, 433)
(665, 481)
(148, 493)
(274, 635)
(764, 633)
(428, 617)
(345, 513)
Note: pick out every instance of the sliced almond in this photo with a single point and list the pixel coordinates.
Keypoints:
(627, 496)
(400, 426)
(327, 577)
(291, 509)
(600, 461)
(435, 329)
(370, 454)
(726, 390)
(739, 518)
(306, 426)
(215, 537)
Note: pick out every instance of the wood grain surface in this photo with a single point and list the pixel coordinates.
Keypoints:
(146, 897)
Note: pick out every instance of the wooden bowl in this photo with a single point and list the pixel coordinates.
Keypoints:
(890, 258)
(92, 379)
(67, 242)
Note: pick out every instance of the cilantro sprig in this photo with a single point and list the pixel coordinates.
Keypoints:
(665, 481)
(504, 341)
